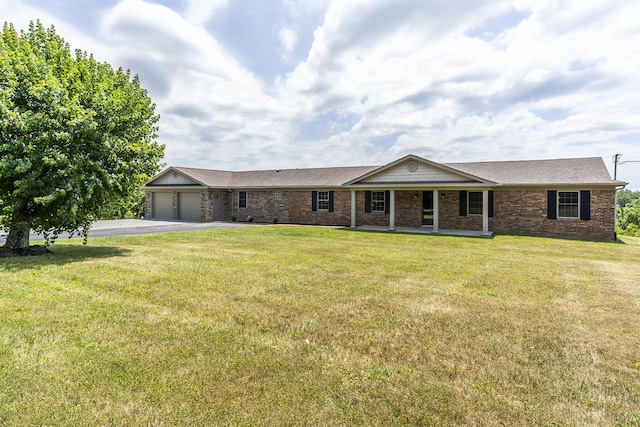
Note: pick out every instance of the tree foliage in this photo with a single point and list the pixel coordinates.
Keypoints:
(131, 207)
(76, 135)
(628, 215)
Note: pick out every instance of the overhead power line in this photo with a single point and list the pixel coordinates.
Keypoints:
(616, 162)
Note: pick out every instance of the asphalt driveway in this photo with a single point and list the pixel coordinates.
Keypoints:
(124, 227)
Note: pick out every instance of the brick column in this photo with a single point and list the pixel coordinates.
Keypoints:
(354, 210)
(485, 212)
(436, 213)
(392, 210)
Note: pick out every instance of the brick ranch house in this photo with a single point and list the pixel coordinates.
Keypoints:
(562, 197)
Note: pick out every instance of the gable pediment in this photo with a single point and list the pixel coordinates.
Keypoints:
(172, 177)
(415, 170)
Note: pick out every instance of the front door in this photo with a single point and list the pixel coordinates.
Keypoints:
(217, 207)
(427, 209)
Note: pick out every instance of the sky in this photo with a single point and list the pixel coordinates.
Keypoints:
(267, 84)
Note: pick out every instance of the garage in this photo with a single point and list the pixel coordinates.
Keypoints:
(189, 207)
(162, 205)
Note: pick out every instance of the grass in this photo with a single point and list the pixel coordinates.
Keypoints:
(286, 325)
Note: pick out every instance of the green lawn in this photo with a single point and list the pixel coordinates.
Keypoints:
(284, 325)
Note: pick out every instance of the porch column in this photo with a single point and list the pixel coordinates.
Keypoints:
(392, 210)
(353, 209)
(436, 207)
(485, 212)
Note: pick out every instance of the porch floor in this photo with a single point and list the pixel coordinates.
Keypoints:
(412, 230)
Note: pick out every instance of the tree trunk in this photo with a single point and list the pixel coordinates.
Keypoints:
(18, 238)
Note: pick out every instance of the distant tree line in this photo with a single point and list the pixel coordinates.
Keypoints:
(629, 213)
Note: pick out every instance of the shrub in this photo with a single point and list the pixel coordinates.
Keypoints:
(250, 218)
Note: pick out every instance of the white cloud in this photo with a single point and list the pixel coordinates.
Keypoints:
(414, 75)
(211, 106)
(200, 12)
(288, 40)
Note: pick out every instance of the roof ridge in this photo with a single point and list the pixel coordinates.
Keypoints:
(199, 169)
(525, 161)
(303, 169)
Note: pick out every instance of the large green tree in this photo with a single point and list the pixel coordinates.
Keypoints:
(75, 136)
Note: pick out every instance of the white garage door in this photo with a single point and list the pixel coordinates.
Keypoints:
(162, 205)
(189, 207)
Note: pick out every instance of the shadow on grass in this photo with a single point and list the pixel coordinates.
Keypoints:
(62, 255)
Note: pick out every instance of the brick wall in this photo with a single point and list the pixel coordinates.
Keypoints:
(450, 219)
(515, 212)
(525, 212)
(261, 206)
(299, 203)
(207, 205)
(147, 204)
(227, 203)
(409, 209)
(377, 219)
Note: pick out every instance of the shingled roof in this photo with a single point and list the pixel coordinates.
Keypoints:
(278, 178)
(590, 170)
(209, 177)
(573, 171)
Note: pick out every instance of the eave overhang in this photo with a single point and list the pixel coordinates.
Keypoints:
(176, 187)
(420, 186)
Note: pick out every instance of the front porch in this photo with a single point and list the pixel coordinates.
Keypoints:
(427, 210)
(414, 230)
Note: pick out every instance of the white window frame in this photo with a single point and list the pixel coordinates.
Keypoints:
(323, 200)
(278, 195)
(566, 205)
(481, 206)
(378, 201)
(246, 196)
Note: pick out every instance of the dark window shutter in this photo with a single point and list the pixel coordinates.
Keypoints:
(585, 205)
(490, 204)
(367, 201)
(314, 201)
(463, 203)
(330, 201)
(552, 199)
(387, 202)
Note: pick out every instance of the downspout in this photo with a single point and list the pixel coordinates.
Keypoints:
(615, 213)
(615, 217)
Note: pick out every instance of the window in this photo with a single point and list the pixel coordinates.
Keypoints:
(377, 201)
(475, 202)
(323, 200)
(242, 199)
(278, 195)
(568, 206)
(472, 203)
